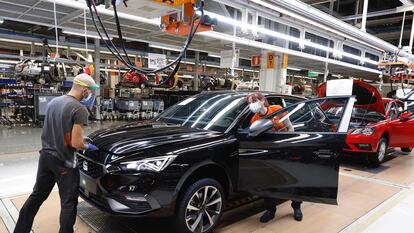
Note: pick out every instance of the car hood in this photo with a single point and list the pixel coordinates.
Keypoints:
(366, 95)
(132, 138)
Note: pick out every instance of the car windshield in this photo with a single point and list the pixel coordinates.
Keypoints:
(207, 111)
(358, 113)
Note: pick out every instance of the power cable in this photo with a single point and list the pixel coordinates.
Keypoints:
(127, 62)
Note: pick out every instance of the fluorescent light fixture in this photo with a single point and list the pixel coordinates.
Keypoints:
(247, 26)
(15, 41)
(294, 69)
(214, 55)
(252, 43)
(82, 34)
(164, 47)
(9, 62)
(101, 9)
(306, 9)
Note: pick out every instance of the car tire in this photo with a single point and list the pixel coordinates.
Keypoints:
(408, 150)
(378, 157)
(196, 214)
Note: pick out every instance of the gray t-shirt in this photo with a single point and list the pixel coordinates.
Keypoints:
(61, 114)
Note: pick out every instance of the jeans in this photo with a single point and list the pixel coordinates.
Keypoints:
(51, 170)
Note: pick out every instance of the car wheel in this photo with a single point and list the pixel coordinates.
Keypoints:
(408, 150)
(200, 207)
(377, 158)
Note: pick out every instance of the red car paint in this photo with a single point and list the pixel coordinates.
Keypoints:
(398, 131)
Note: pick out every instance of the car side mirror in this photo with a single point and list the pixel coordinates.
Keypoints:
(260, 126)
(405, 116)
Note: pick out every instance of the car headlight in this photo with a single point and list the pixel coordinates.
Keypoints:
(156, 164)
(364, 131)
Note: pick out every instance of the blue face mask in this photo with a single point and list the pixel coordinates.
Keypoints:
(89, 101)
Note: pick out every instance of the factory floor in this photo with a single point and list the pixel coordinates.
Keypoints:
(369, 199)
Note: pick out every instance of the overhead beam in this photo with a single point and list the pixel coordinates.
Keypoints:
(376, 13)
(70, 17)
(31, 8)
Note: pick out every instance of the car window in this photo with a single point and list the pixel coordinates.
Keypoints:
(393, 114)
(313, 116)
(289, 101)
(276, 101)
(208, 111)
(273, 100)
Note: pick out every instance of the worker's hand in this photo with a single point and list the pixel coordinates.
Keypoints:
(91, 147)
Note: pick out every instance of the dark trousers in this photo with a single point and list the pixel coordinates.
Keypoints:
(270, 204)
(50, 171)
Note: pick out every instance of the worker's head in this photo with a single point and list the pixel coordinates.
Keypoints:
(257, 103)
(84, 85)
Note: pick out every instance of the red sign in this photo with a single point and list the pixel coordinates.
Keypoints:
(256, 60)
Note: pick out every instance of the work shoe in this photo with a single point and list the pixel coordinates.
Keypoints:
(297, 214)
(267, 216)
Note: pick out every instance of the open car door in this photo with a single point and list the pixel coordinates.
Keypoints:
(293, 154)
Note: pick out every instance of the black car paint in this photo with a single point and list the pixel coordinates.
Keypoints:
(197, 150)
(181, 141)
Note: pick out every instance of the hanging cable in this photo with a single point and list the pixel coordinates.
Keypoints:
(86, 32)
(56, 29)
(114, 50)
(119, 32)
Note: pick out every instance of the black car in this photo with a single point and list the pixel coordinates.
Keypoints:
(188, 160)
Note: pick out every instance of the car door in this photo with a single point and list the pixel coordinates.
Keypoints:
(394, 125)
(298, 159)
(401, 130)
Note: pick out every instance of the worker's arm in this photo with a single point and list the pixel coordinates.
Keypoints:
(77, 137)
(80, 117)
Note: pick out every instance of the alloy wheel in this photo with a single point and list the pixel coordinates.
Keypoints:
(203, 209)
(382, 151)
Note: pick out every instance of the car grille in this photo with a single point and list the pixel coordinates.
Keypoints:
(90, 168)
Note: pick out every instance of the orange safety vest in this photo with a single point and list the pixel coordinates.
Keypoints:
(270, 110)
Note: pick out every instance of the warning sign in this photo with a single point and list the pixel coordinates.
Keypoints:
(271, 59)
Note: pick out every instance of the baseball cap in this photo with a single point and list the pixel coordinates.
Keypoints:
(85, 80)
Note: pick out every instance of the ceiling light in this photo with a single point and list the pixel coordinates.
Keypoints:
(101, 9)
(214, 55)
(82, 34)
(9, 62)
(15, 41)
(1, 20)
(309, 21)
(247, 26)
(261, 45)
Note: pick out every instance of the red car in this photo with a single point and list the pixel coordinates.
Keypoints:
(377, 123)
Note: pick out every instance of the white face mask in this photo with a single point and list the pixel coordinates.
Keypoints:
(255, 107)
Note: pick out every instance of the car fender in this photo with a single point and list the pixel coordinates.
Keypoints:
(191, 171)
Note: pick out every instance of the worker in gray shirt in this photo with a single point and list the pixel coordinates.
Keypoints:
(62, 135)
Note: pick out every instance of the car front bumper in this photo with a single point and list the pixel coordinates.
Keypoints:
(133, 195)
(361, 143)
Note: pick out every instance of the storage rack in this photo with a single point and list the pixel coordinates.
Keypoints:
(16, 102)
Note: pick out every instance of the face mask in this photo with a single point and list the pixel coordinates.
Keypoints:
(89, 100)
(255, 107)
